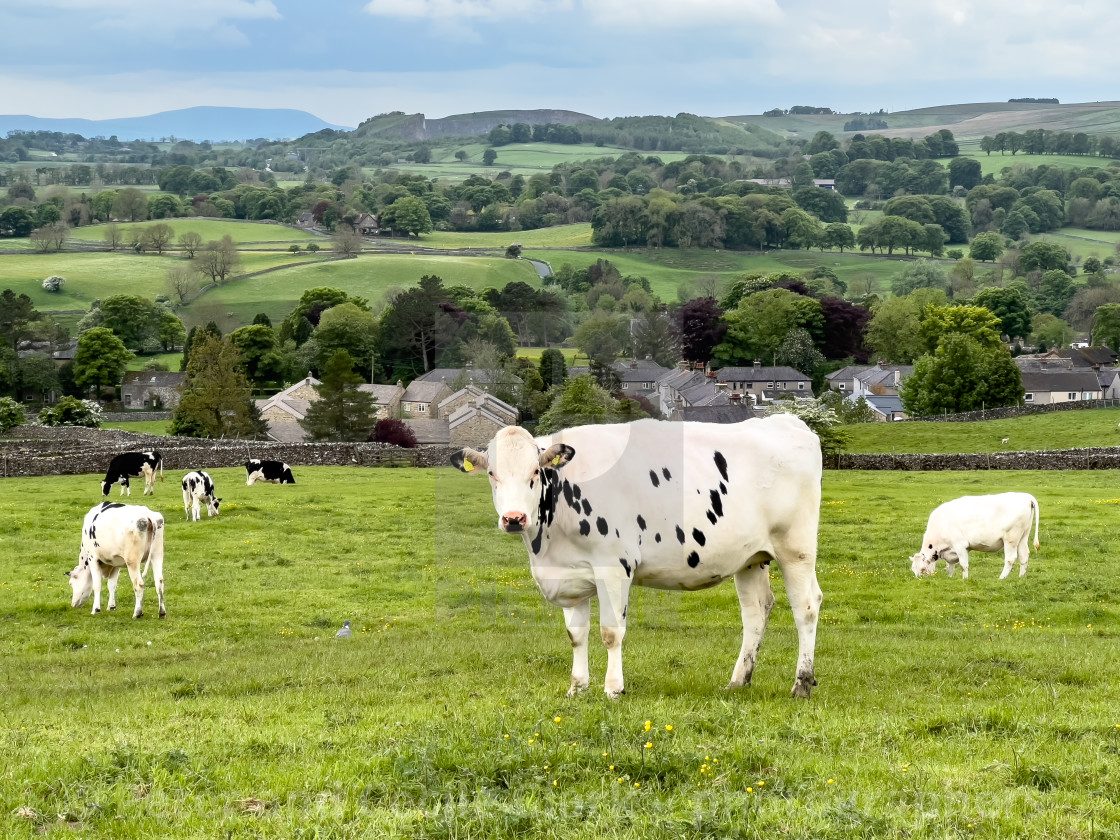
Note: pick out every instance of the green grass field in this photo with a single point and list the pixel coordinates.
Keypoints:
(142, 427)
(369, 275)
(170, 359)
(572, 356)
(1059, 430)
(240, 232)
(946, 708)
(995, 163)
(563, 236)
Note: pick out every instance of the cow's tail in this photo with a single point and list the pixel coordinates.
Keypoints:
(146, 525)
(1034, 504)
(161, 467)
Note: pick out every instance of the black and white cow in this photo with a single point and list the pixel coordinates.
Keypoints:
(115, 535)
(276, 472)
(197, 487)
(133, 464)
(680, 506)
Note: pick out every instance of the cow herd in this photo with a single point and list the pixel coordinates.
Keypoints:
(680, 506)
(116, 535)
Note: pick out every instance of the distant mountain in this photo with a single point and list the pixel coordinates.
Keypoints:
(198, 124)
(418, 127)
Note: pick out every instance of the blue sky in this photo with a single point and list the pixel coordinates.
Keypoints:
(346, 60)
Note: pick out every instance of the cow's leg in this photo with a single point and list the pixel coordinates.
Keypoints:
(157, 572)
(1010, 551)
(134, 572)
(1024, 553)
(756, 599)
(800, 576)
(578, 621)
(112, 580)
(962, 558)
(613, 593)
(95, 572)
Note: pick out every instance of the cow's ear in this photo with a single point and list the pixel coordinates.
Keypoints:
(470, 460)
(557, 455)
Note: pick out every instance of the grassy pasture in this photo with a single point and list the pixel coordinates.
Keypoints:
(170, 359)
(1060, 430)
(369, 275)
(946, 708)
(563, 236)
(995, 163)
(240, 232)
(143, 427)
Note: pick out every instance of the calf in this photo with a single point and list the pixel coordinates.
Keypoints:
(196, 487)
(276, 472)
(979, 523)
(133, 464)
(115, 535)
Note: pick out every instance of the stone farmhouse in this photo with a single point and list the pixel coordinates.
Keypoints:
(152, 389)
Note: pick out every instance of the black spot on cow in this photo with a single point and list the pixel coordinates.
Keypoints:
(721, 464)
(653, 477)
(584, 527)
(93, 531)
(657, 537)
(536, 543)
(711, 517)
(110, 505)
(665, 472)
(717, 502)
(586, 508)
(576, 491)
(680, 534)
(601, 524)
(693, 560)
(698, 535)
(625, 565)
(568, 495)
(641, 522)
(616, 533)
(723, 488)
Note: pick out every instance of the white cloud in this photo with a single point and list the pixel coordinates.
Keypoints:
(444, 10)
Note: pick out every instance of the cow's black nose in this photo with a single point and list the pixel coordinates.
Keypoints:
(514, 522)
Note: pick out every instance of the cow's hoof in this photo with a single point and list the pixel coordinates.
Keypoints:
(803, 687)
(576, 690)
(95, 612)
(163, 613)
(138, 615)
(731, 686)
(614, 695)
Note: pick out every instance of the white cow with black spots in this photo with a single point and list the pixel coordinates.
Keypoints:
(198, 487)
(116, 535)
(978, 523)
(666, 505)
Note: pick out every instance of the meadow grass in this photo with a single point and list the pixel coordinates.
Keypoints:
(240, 232)
(369, 275)
(143, 427)
(946, 708)
(170, 359)
(561, 236)
(571, 355)
(995, 163)
(1058, 430)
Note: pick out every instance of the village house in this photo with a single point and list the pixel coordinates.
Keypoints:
(885, 408)
(388, 399)
(421, 399)
(151, 389)
(765, 382)
(882, 379)
(1046, 387)
(474, 417)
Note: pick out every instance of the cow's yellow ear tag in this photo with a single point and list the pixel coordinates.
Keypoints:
(467, 466)
(556, 461)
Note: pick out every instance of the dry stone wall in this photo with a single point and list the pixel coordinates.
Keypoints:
(30, 451)
(1018, 411)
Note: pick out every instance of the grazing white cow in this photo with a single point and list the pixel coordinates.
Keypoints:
(978, 523)
(115, 535)
(197, 486)
(679, 506)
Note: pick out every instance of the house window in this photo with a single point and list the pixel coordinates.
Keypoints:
(1028, 398)
(1072, 395)
(421, 407)
(843, 387)
(624, 386)
(128, 399)
(145, 402)
(800, 386)
(747, 385)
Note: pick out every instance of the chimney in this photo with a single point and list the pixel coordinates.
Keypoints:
(697, 365)
(633, 363)
(757, 363)
(897, 377)
(683, 364)
(710, 374)
(723, 387)
(883, 364)
(736, 399)
(1097, 367)
(400, 384)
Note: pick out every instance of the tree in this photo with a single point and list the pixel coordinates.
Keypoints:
(410, 338)
(920, 274)
(700, 327)
(1106, 326)
(342, 412)
(653, 337)
(351, 328)
(54, 283)
(986, 247)
(1011, 306)
(460, 156)
(892, 333)
(582, 402)
(978, 323)
(190, 242)
(130, 204)
(346, 241)
(114, 236)
(1043, 256)
(16, 221)
(1055, 291)
(38, 375)
(964, 172)
(134, 319)
(217, 401)
(1050, 331)
(602, 337)
(70, 411)
(392, 431)
(409, 214)
(838, 235)
(49, 237)
(798, 351)
(489, 156)
(11, 415)
(218, 259)
(100, 359)
(156, 237)
(17, 314)
(180, 282)
(961, 375)
(552, 367)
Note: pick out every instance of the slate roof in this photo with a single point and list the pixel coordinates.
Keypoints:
(422, 392)
(384, 394)
(1065, 380)
(762, 373)
(155, 378)
(641, 370)
(480, 376)
(717, 413)
(1089, 356)
(430, 431)
(886, 404)
(478, 393)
